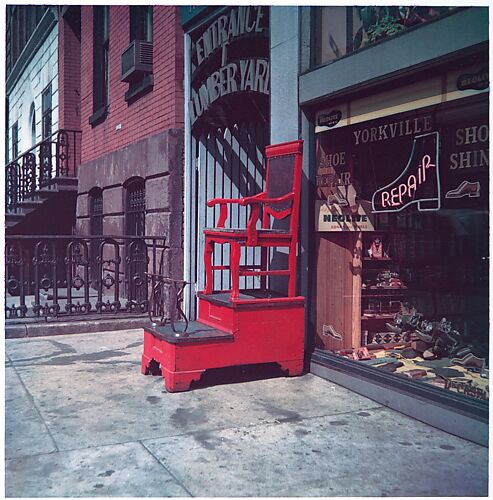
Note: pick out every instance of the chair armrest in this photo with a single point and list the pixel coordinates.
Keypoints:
(261, 198)
(223, 201)
(223, 211)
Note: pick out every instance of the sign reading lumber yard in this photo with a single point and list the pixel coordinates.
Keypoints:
(230, 57)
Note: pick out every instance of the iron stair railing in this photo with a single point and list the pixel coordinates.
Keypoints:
(39, 167)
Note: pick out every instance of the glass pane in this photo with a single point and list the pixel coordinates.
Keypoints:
(332, 33)
(417, 185)
(341, 30)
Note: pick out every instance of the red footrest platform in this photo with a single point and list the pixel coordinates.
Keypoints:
(227, 334)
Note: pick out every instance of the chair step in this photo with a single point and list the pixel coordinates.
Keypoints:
(248, 297)
(196, 332)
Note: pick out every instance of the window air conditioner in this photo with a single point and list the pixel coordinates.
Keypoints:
(136, 61)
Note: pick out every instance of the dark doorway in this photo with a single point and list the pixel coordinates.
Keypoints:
(136, 249)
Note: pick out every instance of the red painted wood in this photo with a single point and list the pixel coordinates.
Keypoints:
(265, 237)
(265, 330)
(261, 335)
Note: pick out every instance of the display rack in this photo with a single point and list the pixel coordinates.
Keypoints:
(382, 294)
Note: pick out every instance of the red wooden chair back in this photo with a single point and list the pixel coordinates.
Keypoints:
(283, 177)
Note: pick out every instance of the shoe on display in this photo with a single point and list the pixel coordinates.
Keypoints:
(414, 373)
(409, 353)
(420, 345)
(465, 188)
(460, 351)
(393, 328)
(429, 354)
(361, 354)
(390, 367)
(425, 337)
(469, 360)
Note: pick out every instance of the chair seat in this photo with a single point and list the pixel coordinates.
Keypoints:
(242, 231)
(268, 236)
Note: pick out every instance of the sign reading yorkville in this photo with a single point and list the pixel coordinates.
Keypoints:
(421, 160)
(238, 26)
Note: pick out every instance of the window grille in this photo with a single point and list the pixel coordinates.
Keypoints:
(95, 227)
(135, 209)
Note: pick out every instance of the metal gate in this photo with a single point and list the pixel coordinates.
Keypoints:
(229, 163)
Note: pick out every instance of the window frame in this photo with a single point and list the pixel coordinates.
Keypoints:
(141, 22)
(46, 113)
(14, 134)
(351, 33)
(101, 70)
(32, 123)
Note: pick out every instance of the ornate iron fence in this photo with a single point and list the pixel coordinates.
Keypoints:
(55, 157)
(55, 276)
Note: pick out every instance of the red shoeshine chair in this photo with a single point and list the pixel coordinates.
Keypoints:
(280, 199)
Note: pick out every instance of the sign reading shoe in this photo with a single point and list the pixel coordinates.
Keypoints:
(422, 160)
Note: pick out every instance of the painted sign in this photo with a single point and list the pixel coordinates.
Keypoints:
(239, 21)
(419, 181)
(423, 160)
(337, 206)
(330, 119)
(474, 81)
(241, 76)
(230, 59)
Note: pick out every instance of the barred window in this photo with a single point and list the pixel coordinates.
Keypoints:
(135, 207)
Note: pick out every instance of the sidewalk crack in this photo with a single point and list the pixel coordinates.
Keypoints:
(36, 409)
(166, 469)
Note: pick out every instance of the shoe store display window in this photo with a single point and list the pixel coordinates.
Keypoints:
(402, 244)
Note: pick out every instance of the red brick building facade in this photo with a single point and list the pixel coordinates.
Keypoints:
(159, 110)
(132, 149)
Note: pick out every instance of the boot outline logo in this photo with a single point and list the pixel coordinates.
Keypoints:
(418, 184)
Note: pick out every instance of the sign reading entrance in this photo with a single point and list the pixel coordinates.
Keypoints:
(229, 61)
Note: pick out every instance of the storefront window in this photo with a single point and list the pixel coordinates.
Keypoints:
(342, 30)
(405, 201)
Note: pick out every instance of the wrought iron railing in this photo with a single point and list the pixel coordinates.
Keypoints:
(71, 276)
(38, 168)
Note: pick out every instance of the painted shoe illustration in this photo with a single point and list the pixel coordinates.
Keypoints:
(344, 200)
(330, 331)
(337, 199)
(418, 183)
(465, 188)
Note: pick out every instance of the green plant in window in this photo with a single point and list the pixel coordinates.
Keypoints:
(387, 26)
(382, 22)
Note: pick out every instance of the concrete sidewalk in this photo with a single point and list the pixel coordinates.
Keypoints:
(82, 421)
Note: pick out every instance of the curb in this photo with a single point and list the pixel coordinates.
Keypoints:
(23, 330)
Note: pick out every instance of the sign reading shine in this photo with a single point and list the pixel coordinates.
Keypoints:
(238, 25)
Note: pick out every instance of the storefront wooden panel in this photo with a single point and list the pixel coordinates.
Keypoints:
(338, 285)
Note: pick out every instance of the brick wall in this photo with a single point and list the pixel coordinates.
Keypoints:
(156, 111)
(69, 76)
